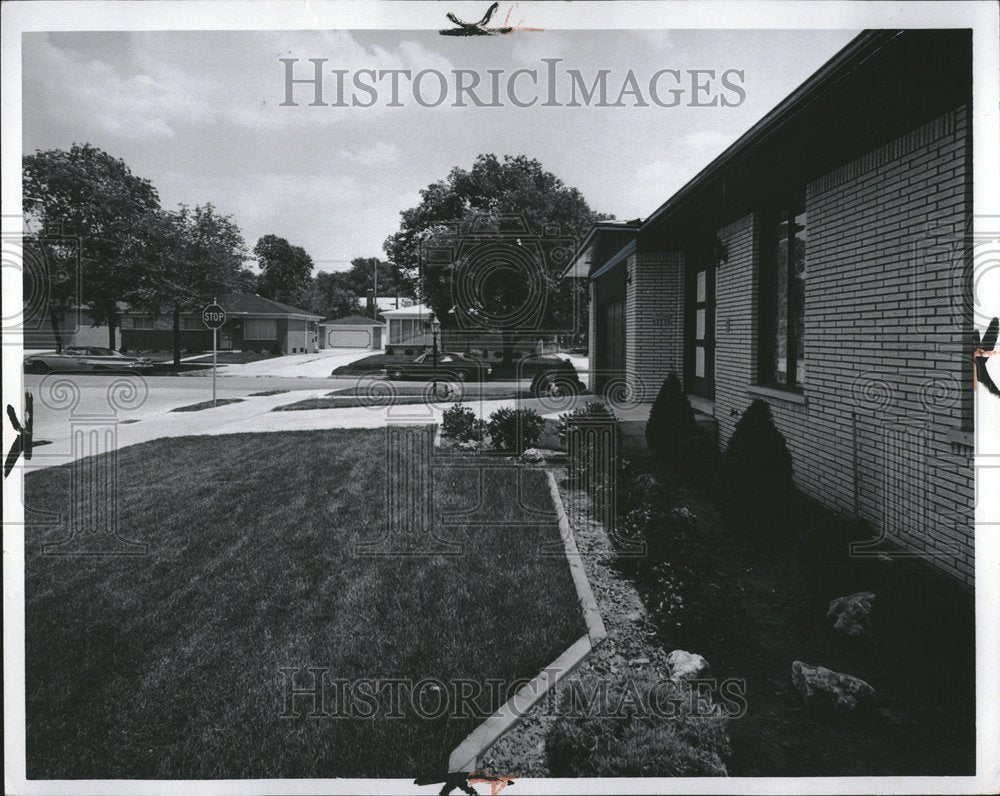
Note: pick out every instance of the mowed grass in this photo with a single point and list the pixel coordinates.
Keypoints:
(168, 664)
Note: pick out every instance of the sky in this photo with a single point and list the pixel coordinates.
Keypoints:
(199, 114)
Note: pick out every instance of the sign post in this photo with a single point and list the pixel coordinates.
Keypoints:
(213, 316)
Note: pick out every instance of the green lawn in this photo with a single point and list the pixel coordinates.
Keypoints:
(207, 405)
(167, 665)
(372, 364)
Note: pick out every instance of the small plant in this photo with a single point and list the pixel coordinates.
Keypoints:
(514, 430)
(754, 486)
(460, 423)
(671, 421)
(562, 380)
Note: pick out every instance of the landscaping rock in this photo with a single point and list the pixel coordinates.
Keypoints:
(532, 455)
(829, 690)
(851, 615)
(686, 665)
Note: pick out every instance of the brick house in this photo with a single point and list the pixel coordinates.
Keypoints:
(817, 264)
(252, 323)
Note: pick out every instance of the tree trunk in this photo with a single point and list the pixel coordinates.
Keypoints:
(56, 334)
(112, 325)
(177, 336)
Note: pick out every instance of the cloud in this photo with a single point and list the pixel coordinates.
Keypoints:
(377, 155)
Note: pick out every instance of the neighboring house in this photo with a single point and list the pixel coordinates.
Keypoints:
(817, 264)
(76, 328)
(252, 324)
(351, 331)
(384, 303)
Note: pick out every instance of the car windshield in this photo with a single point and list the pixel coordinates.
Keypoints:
(422, 358)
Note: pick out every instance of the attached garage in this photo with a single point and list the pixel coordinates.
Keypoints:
(352, 331)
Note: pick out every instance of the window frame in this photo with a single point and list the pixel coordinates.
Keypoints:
(247, 324)
(794, 205)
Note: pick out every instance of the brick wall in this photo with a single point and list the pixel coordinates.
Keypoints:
(654, 320)
(886, 342)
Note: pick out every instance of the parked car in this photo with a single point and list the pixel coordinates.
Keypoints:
(92, 359)
(449, 366)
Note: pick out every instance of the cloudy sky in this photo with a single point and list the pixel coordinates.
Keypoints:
(199, 114)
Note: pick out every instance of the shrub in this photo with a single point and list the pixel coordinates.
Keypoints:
(754, 485)
(561, 380)
(514, 430)
(585, 458)
(823, 554)
(459, 422)
(636, 727)
(924, 625)
(671, 420)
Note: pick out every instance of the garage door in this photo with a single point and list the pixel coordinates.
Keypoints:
(348, 338)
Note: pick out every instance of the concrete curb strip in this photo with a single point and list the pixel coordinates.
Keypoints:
(467, 754)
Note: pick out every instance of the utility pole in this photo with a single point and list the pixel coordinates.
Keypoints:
(375, 302)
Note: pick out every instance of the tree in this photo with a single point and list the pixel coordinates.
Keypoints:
(332, 295)
(286, 270)
(487, 198)
(87, 193)
(362, 277)
(188, 258)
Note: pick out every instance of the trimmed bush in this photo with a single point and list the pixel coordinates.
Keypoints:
(754, 486)
(924, 625)
(823, 554)
(636, 727)
(671, 420)
(514, 430)
(560, 381)
(460, 423)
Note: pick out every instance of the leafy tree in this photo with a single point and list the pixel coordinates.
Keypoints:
(332, 295)
(188, 257)
(246, 281)
(286, 270)
(86, 192)
(361, 277)
(486, 197)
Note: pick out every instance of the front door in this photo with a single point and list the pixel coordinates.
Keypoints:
(225, 340)
(611, 342)
(699, 326)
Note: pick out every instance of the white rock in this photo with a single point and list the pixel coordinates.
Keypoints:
(851, 615)
(686, 665)
(823, 688)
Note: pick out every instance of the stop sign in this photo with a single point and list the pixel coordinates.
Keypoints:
(213, 316)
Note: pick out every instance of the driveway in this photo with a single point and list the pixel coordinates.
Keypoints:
(314, 366)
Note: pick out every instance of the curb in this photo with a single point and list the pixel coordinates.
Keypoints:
(465, 757)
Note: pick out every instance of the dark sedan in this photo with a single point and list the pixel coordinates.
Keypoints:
(92, 359)
(449, 366)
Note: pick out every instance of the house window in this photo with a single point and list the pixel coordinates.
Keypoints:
(192, 323)
(406, 330)
(143, 323)
(783, 281)
(260, 329)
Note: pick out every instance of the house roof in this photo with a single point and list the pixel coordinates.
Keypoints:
(248, 304)
(352, 320)
(416, 311)
(604, 238)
